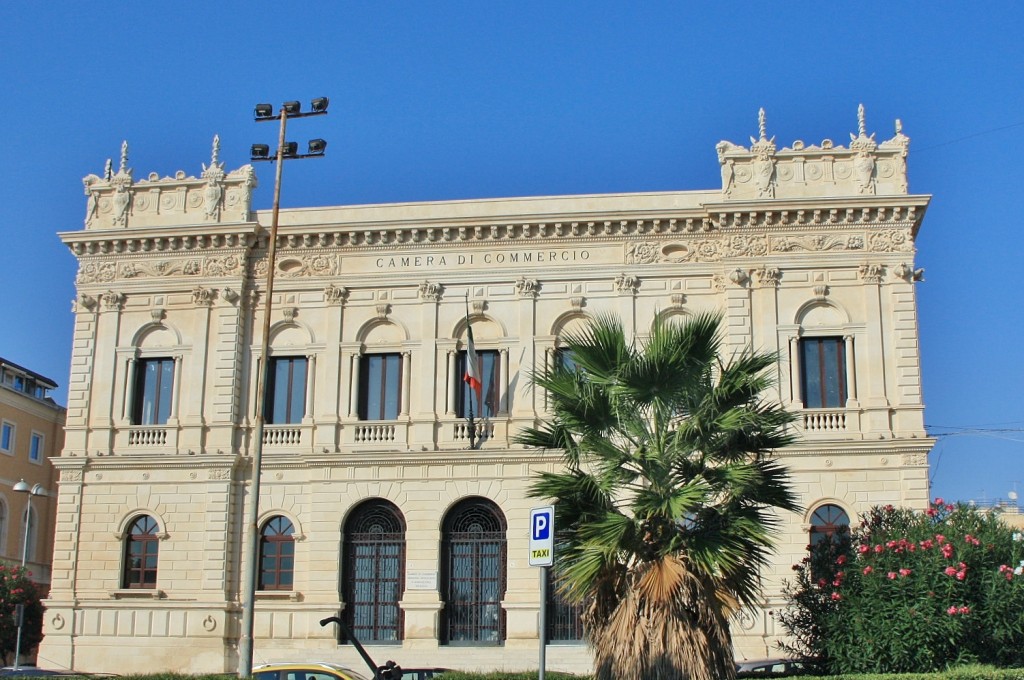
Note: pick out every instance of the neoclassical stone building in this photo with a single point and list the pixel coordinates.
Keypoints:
(372, 504)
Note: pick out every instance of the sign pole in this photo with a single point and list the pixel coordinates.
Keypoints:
(543, 621)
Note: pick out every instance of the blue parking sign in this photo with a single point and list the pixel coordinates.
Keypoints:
(542, 536)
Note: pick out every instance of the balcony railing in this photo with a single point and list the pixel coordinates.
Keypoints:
(282, 435)
(825, 421)
(484, 430)
(139, 436)
(374, 433)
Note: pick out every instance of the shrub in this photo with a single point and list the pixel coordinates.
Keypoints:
(911, 592)
(17, 588)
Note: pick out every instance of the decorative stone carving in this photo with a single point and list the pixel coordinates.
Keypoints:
(112, 301)
(202, 297)
(627, 283)
(864, 161)
(890, 241)
(871, 273)
(748, 246)
(383, 308)
(220, 473)
(221, 266)
(430, 291)
(85, 301)
(527, 288)
(678, 299)
(290, 313)
(907, 273)
(738, 276)
(816, 243)
(478, 306)
(96, 272)
(216, 196)
(230, 294)
(70, 475)
(335, 295)
(768, 277)
(820, 291)
(914, 459)
(764, 163)
(577, 302)
(157, 314)
(718, 282)
(805, 171)
(214, 176)
(643, 253)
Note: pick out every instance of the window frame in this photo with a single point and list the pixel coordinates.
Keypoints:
(283, 541)
(827, 526)
(491, 391)
(148, 540)
(825, 372)
(34, 437)
(161, 412)
(6, 426)
(395, 360)
(295, 395)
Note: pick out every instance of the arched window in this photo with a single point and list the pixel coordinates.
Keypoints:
(829, 523)
(141, 549)
(277, 554)
(474, 578)
(374, 572)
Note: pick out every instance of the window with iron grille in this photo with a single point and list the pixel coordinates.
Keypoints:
(286, 391)
(277, 554)
(374, 572)
(486, 404)
(154, 389)
(823, 372)
(564, 619)
(474, 578)
(380, 389)
(141, 550)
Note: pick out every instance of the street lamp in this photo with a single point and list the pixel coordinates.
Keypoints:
(35, 490)
(261, 152)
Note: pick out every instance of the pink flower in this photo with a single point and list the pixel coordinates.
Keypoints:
(868, 569)
(905, 572)
(1003, 569)
(952, 611)
(796, 567)
(891, 575)
(950, 507)
(1009, 576)
(841, 559)
(931, 512)
(863, 549)
(947, 550)
(950, 571)
(822, 582)
(836, 596)
(964, 610)
(940, 539)
(927, 544)
(939, 501)
(961, 575)
(889, 508)
(879, 548)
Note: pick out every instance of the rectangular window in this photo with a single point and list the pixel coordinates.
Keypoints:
(154, 384)
(7, 437)
(35, 448)
(823, 366)
(486, 404)
(380, 386)
(286, 391)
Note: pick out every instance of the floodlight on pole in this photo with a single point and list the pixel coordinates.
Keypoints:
(35, 490)
(285, 151)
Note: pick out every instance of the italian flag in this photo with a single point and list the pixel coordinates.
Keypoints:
(472, 376)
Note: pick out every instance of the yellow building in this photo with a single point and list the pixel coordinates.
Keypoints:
(373, 507)
(31, 432)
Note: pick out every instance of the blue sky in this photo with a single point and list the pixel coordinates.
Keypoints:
(447, 100)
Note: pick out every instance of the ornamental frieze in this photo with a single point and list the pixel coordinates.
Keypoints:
(103, 272)
(298, 267)
(890, 241)
(816, 243)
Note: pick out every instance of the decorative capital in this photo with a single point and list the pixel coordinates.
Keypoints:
(627, 283)
(527, 288)
(678, 299)
(335, 295)
(478, 306)
(290, 313)
(84, 301)
(430, 291)
(157, 314)
(820, 291)
(768, 277)
(578, 302)
(112, 301)
(383, 309)
(871, 273)
(203, 297)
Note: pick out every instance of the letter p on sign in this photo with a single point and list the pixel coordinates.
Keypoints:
(542, 536)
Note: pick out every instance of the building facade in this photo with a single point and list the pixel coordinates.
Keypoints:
(31, 432)
(372, 504)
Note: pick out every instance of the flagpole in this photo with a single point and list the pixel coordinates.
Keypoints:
(470, 357)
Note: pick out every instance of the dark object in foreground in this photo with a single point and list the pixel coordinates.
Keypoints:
(389, 671)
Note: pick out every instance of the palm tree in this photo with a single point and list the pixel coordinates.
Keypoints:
(666, 506)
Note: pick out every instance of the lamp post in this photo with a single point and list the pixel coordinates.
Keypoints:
(35, 490)
(261, 152)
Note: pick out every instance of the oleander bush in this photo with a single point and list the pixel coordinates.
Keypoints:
(16, 587)
(911, 592)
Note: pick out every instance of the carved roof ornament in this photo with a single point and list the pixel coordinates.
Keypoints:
(762, 171)
(115, 199)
